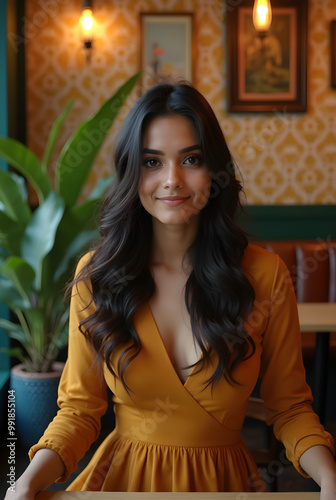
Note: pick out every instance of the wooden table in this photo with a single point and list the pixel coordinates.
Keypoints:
(319, 317)
(88, 495)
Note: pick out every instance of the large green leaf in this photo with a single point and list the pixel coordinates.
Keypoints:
(22, 185)
(15, 214)
(4, 253)
(14, 331)
(10, 241)
(100, 188)
(82, 215)
(6, 223)
(11, 197)
(14, 352)
(20, 274)
(39, 235)
(73, 250)
(11, 297)
(79, 152)
(9, 326)
(62, 339)
(59, 341)
(24, 160)
(36, 321)
(53, 135)
(75, 220)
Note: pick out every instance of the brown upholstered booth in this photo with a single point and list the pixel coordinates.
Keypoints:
(312, 265)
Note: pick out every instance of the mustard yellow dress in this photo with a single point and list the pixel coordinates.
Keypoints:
(171, 436)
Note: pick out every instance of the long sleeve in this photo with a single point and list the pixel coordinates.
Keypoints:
(284, 389)
(82, 395)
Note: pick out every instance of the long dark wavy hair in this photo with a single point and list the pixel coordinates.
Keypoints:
(218, 295)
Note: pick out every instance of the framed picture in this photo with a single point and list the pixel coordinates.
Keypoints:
(268, 73)
(166, 48)
(333, 53)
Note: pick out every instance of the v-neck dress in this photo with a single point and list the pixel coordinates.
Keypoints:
(171, 436)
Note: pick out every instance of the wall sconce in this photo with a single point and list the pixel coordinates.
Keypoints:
(86, 25)
(262, 16)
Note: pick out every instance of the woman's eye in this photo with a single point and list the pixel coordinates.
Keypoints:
(194, 160)
(151, 163)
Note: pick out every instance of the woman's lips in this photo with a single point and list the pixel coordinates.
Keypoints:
(173, 201)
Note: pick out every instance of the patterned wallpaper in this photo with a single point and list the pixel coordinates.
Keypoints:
(283, 158)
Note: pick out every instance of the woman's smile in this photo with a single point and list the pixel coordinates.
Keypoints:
(173, 201)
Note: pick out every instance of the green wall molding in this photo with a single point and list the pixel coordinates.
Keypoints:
(279, 222)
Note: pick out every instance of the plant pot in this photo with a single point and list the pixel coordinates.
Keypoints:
(35, 401)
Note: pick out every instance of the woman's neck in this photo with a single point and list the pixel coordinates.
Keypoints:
(170, 243)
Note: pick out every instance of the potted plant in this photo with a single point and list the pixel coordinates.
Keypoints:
(38, 248)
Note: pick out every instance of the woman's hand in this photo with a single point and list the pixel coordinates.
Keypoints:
(20, 491)
(42, 471)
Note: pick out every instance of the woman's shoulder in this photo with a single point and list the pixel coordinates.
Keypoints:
(81, 284)
(256, 256)
(83, 262)
(261, 265)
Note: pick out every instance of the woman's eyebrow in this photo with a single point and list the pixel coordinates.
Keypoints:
(152, 151)
(181, 151)
(190, 148)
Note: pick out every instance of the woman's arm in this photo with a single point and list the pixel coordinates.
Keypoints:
(284, 389)
(82, 392)
(319, 463)
(43, 470)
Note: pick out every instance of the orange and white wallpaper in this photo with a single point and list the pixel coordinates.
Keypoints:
(283, 158)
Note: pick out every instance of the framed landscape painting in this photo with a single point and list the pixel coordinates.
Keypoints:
(166, 48)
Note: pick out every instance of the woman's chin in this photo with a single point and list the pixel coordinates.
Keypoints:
(180, 219)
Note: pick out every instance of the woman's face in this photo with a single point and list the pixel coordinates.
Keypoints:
(175, 182)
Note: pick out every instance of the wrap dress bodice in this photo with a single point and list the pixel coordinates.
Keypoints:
(175, 436)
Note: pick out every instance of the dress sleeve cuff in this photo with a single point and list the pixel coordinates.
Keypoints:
(308, 442)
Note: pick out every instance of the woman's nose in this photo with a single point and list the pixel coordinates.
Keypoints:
(173, 176)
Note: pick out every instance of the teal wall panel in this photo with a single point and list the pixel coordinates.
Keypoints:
(4, 360)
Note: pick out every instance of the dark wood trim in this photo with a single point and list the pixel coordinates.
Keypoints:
(16, 76)
(333, 53)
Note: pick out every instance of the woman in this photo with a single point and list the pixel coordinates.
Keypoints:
(178, 315)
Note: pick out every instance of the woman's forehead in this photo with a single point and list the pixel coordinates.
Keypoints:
(171, 127)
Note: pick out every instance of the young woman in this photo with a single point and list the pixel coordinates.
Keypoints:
(178, 315)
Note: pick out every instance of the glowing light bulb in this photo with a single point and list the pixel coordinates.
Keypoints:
(262, 15)
(87, 22)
